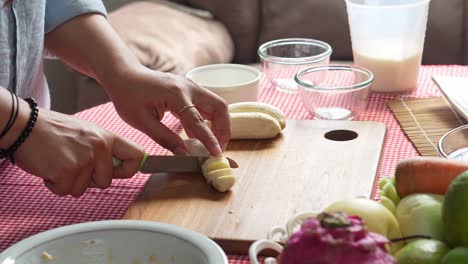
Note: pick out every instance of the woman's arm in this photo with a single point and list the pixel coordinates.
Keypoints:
(88, 44)
(68, 153)
(141, 96)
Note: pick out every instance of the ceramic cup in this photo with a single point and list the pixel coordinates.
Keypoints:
(232, 82)
(277, 234)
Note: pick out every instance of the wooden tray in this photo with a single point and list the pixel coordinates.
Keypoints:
(301, 170)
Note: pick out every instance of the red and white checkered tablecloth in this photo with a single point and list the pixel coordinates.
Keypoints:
(27, 207)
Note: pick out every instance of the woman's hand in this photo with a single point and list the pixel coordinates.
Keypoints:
(71, 154)
(143, 96)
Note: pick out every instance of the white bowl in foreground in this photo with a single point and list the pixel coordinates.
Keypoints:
(233, 82)
(117, 242)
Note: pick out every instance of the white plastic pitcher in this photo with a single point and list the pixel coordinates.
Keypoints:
(388, 39)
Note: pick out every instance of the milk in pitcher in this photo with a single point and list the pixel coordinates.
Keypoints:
(395, 71)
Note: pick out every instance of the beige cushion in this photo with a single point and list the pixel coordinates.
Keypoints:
(242, 18)
(170, 40)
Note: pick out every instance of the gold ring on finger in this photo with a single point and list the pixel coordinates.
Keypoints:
(185, 108)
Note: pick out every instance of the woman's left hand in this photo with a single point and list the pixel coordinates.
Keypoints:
(143, 96)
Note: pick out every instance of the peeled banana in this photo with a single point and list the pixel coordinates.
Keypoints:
(213, 175)
(257, 107)
(216, 170)
(215, 163)
(224, 183)
(255, 120)
(253, 126)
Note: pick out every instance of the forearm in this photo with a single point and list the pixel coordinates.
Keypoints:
(90, 45)
(21, 120)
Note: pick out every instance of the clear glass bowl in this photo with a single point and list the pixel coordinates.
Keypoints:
(335, 92)
(454, 144)
(283, 58)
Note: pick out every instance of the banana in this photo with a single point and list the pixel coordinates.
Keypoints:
(257, 107)
(224, 183)
(213, 175)
(253, 126)
(215, 163)
(218, 172)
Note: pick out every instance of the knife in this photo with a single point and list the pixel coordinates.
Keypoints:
(155, 164)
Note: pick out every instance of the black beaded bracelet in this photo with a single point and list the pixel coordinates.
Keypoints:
(8, 153)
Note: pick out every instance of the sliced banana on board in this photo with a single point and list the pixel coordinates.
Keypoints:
(224, 183)
(215, 163)
(212, 175)
(216, 170)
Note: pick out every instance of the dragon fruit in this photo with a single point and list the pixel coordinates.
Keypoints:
(335, 238)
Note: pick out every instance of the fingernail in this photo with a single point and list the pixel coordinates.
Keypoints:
(224, 146)
(180, 151)
(219, 151)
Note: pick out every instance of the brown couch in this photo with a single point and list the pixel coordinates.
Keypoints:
(249, 23)
(327, 20)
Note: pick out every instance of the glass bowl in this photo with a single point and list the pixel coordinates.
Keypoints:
(283, 58)
(334, 92)
(454, 144)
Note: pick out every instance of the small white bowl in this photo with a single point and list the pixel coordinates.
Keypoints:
(233, 82)
(118, 242)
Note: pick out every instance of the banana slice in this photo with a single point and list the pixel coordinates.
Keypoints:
(224, 183)
(257, 107)
(253, 126)
(213, 175)
(215, 163)
(216, 170)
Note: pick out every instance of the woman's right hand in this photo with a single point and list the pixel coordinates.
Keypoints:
(71, 154)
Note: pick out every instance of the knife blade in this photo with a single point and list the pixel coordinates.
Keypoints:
(155, 164)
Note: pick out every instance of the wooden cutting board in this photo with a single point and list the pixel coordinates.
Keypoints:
(300, 170)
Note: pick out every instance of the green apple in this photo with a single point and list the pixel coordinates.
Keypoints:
(421, 214)
(377, 217)
(458, 255)
(455, 212)
(427, 251)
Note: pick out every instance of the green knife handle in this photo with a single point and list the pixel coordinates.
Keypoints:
(116, 162)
